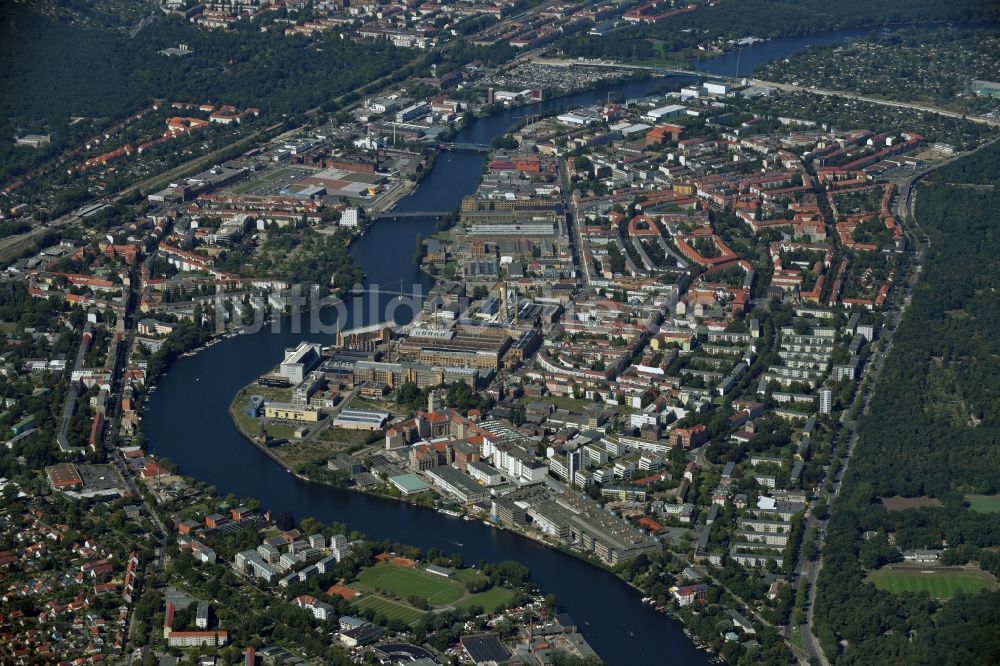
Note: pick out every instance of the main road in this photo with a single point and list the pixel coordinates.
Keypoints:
(792, 87)
(900, 301)
(808, 568)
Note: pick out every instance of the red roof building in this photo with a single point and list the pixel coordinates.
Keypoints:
(153, 469)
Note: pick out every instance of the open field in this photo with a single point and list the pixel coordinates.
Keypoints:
(465, 575)
(267, 179)
(940, 583)
(437, 590)
(902, 503)
(391, 609)
(343, 439)
(572, 404)
(490, 600)
(930, 154)
(284, 430)
(984, 503)
(313, 449)
(269, 393)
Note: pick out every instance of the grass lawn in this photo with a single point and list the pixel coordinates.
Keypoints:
(403, 582)
(361, 403)
(572, 404)
(465, 575)
(940, 583)
(286, 430)
(391, 609)
(984, 503)
(490, 600)
(796, 638)
(269, 393)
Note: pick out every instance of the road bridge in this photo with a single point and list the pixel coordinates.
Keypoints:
(471, 147)
(402, 215)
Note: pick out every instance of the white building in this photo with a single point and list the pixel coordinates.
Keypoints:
(484, 474)
(300, 361)
(668, 111)
(349, 218)
(825, 400)
(716, 88)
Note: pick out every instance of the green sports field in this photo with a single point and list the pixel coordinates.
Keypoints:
(984, 503)
(403, 582)
(940, 583)
(490, 600)
(390, 609)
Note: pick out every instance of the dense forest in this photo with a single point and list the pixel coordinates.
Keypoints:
(771, 18)
(56, 70)
(933, 430)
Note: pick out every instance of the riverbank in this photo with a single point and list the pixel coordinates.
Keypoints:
(462, 514)
(263, 448)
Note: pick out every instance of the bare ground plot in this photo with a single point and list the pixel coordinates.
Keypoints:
(271, 178)
(898, 503)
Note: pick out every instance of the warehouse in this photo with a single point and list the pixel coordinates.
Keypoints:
(361, 419)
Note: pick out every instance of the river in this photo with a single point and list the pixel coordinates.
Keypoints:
(187, 419)
(741, 62)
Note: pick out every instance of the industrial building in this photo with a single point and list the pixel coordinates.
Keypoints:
(364, 337)
(300, 361)
(457, 485)
(286, 411)
(361, 419)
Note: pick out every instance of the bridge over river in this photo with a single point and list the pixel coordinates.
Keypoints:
(474, 147)
(402, 215)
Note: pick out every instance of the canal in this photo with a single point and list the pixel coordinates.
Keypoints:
(187, 419)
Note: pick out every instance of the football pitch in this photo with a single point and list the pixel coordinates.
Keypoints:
(390, 609)
(404, 582)
(940, 583)
(984, 503)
